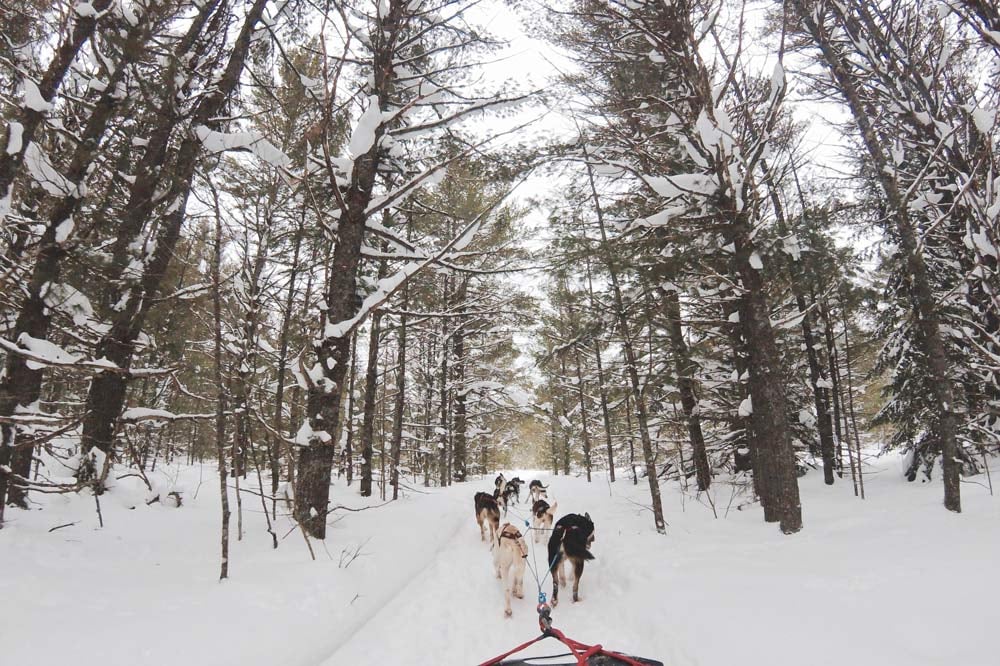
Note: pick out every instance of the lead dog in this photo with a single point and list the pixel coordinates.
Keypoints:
(509, 495)
(513, 489)
(487, 514)
(501, 500)
(543, 515)
(537, 491)
(570, 541)
(509, 553)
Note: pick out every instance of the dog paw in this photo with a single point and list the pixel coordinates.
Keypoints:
(508, 613)
(519, 595)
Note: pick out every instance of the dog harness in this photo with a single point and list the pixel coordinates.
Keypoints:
(506, 533)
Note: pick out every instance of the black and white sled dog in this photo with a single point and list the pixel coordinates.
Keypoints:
(542, 518)
(513, 490)
(498, 483)
(487, 515)
(570, 542)
(537, 491)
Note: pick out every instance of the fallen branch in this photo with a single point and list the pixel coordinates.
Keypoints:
(59, 527)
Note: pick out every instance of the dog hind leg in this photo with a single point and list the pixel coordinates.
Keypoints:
(519, 565)
(578, 574)
(554, 570)
(507, 612)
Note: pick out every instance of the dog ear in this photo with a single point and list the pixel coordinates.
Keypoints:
(587, 516)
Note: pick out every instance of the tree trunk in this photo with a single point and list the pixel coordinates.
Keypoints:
(400, 403)
(770, 412)
(685, 369)
(279, 393)
(459, 449)
(583, 414)
(220, 408)
(821, 394)
(554, 435)
(850, 403)
(332, 348)
(605, 413)
(443, 401)
(368, 417)
(630, 365)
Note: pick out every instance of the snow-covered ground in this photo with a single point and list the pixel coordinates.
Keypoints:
(891, 580)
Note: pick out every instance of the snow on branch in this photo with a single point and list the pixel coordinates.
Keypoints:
(428, 175)
(219, 142)
(388, 286)
(42, 353)
(457, 115)
(139, 414)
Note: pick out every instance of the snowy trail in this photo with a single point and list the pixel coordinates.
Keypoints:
(891, 581)
(867, 584)
(454, 608)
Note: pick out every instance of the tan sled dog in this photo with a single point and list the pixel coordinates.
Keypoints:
(509, 553)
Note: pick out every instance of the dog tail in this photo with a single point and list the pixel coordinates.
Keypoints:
(552, 509)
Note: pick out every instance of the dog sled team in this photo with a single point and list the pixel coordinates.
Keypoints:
(569, 540)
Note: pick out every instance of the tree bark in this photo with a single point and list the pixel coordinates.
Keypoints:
(583, 414)
(399, 406)
(279, 392)
(775, 455)
(685, 369)
(368, 415)
(605, 412)
(821, 394)
(459, 449)
(220, 406)
(443, 400)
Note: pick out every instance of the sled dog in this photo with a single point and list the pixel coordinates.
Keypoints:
(570, 541)
(542, 520)
(487, 514)
(509, 553)
(537, 491)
